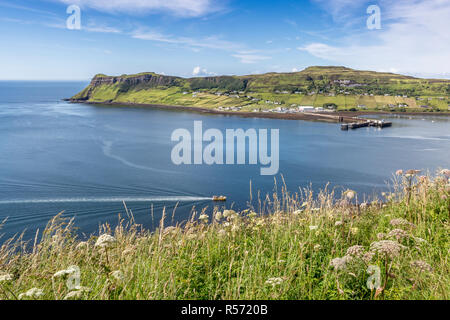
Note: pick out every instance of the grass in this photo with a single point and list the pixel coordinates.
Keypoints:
(166, 90)
(289, 246)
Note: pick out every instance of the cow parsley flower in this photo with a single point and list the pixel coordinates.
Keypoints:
(32, 293)
(274, 281)
(398, 234)
(105, 241)
(6, 277)
(355, 251)
(421, 266)
(341, 263)
(387, 247)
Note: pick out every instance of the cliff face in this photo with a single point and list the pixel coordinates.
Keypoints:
(125, 82)
(312, 79)
(150, 79)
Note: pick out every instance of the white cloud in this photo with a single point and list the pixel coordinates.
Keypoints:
(211, 42)
(294, 70)
(198, 71)
(414, 39)
(182, 8)
(249, 58)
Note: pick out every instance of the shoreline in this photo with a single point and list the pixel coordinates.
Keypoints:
(330, 117)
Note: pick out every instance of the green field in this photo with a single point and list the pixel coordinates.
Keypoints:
(314, 86)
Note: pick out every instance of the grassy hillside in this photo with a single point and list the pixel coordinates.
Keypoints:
(336, 87)
(301, 246)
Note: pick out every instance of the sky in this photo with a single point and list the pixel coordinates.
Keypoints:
(228, 37)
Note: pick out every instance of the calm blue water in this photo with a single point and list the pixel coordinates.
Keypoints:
(85, 159)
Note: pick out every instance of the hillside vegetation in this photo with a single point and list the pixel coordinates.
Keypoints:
(329, 87)
(287, 246)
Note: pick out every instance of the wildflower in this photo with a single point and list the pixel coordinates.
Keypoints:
(63, 273)
(297, 212)
(252, 214)
(234, 228)
(445, 172)
(77, 294)
(340, 263)
(367, 257)
(401, 222)
(381, 236)
(218, 216)
(6, 277)
(355, 251)
(411, 173)
(420, 240)
(399, 172)
(387, 247)
(228, 213)
(128, 250)
(398, 234)
(317, 247)
(421, 266)
(74, 295)
(338, 223)
(304, 204)
(313, 227)
(105, 241)
(350, 194)
(170, 230)
(203, 218)
(32, 293)
(354, 230)
(364, 205)
(82, 245)
(274, 281)
(222, 232)
(118, 275)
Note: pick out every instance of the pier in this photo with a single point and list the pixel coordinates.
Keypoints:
(366, 123)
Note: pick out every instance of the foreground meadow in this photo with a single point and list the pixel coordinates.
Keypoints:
(291, 246)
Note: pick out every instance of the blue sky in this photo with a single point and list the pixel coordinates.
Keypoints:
(208, 37)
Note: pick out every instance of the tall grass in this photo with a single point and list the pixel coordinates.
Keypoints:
(290, 246)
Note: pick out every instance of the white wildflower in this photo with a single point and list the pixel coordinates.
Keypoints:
(203, 217)
(32, 293)
(399, 172)
(401, 222)
(338, 223)
(82, 245)
(274, 281)
(381, 236)
(105, 241)
(118, 275)
(340, 263)
(6, 277)
(313, 227)
(445, 172)
(66, 272)
(398, 234)
(421, 266)
(387, 247)
(350, 194)
(355, 251)
(218, 216)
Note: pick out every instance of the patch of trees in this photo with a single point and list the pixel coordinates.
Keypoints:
(224, 83)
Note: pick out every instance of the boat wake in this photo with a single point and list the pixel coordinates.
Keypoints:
(108, 200)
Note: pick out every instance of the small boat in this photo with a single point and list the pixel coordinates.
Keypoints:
(219, 198)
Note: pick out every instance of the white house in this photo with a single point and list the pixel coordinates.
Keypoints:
(306, 108)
